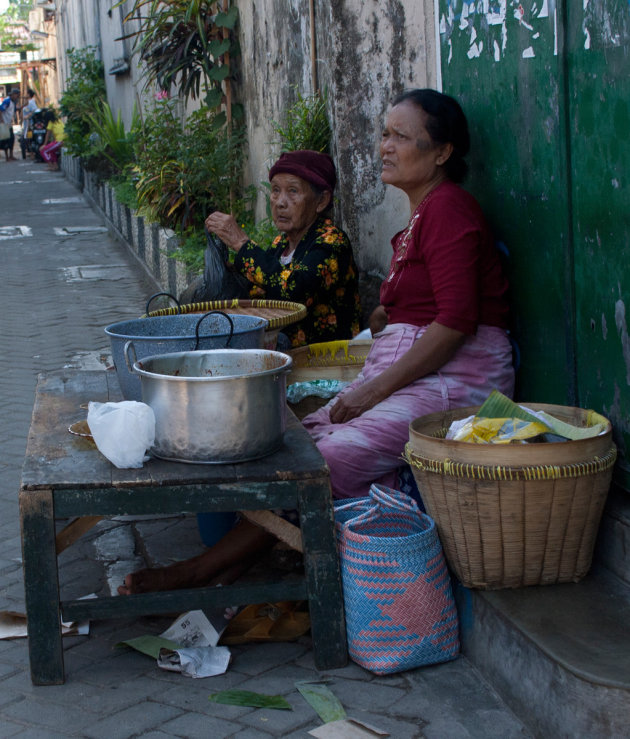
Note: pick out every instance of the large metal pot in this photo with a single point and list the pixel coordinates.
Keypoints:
(217, 406)
(180, 333)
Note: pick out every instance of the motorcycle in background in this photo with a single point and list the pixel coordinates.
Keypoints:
(39, 124)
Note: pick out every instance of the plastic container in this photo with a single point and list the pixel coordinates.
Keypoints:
(214, 526)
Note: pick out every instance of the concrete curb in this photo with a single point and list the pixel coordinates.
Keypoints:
(151, 244)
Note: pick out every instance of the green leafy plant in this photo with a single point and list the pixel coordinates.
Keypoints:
(110, 139)
(84, 93)
(124, 186)
(306, 125)
(185, 172)
(187, 44)
(192, 243)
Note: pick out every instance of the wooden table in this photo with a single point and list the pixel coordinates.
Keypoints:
(64, 477)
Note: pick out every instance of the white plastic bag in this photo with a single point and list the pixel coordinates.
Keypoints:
(122, 431)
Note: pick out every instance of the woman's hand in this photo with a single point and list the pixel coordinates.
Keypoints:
(354, 403)
(227, 229)
(378, 319)
(428, 354)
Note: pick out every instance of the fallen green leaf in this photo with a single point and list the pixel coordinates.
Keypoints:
(249, 698)
(322, 700)
(149, 645)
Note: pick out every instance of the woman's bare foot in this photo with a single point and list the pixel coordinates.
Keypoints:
(152, 580)
(221, 564)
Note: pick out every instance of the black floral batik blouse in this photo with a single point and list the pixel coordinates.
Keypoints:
(322, 275)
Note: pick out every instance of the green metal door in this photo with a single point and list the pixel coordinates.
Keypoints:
(545, 87)
(599, 126)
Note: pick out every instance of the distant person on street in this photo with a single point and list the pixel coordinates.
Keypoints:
(7, 114)
(28, 110)
(53, 141)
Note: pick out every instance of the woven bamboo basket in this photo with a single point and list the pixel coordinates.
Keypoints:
(330, 360)
(511, 515)
(279, 313)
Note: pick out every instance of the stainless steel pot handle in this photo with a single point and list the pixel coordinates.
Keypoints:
(168, 295)
(221, 313)
(128, 348)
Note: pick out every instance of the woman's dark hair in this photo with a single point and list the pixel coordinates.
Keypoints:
(446, 124)
(30, 93)
(50, 115)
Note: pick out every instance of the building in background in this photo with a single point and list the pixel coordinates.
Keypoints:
(28, 52)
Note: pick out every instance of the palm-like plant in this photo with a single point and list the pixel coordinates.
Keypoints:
(186, 43)
(112, 141)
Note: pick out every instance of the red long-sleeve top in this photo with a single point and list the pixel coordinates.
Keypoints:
(445, 266)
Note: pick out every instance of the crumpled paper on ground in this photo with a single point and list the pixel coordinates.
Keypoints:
(188, 645)
(122, 431)
(198, 654)
(195, 661)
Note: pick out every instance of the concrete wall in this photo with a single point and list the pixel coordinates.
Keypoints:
(78, 25)
(82, 23)
(125, 88)
(365, 52)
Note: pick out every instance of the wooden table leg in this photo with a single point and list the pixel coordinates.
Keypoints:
(323, 576)
(41, 587)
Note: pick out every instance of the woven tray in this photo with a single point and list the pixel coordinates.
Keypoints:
(330, 360)
(511, 515)
(279, 313)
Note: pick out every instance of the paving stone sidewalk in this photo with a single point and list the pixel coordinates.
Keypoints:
(60, 288)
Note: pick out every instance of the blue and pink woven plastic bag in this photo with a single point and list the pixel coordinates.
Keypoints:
(400, 611)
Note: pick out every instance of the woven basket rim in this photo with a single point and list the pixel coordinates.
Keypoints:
(427, 437)
(293, 311)
(502, 472)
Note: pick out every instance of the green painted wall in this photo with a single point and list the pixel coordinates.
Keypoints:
(546, 88)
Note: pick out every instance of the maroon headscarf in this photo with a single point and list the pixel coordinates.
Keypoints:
(312, 166)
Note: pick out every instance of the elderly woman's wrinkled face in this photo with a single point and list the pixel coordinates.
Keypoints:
(411, 159)
(295, 205)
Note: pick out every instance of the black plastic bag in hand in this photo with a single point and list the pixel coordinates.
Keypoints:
(220, 281)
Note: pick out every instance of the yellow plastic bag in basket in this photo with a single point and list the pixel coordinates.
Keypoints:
(499, 430)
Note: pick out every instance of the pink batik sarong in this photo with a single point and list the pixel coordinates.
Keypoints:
(368, 449)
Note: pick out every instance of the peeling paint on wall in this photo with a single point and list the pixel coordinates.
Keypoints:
(606, 24)
(367, 52)
(491, 25)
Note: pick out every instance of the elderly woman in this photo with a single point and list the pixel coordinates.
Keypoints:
(440, 338)
(311, 261)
